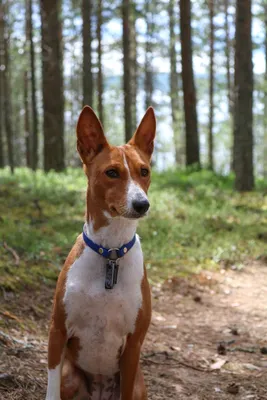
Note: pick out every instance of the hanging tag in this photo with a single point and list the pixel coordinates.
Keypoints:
(111, 274)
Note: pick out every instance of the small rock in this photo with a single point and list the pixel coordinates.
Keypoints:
(263, 350)
(221, 349)
(233, 388)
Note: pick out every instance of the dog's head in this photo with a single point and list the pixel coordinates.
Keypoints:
(118, 176)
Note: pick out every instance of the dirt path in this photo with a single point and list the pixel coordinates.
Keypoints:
(193, 321)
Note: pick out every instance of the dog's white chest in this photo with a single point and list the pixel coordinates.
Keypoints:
(102, 318)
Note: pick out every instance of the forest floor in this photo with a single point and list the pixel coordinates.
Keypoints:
(207, 338)
(206, 255)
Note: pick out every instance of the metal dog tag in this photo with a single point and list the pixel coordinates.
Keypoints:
(111, 274)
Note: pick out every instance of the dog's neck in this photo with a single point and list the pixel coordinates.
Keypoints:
(115, 233)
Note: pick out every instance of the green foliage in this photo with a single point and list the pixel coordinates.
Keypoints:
(196, 221)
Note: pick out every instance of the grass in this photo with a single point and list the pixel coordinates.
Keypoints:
(196, 221)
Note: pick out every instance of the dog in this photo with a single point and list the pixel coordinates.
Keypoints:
(102, 304)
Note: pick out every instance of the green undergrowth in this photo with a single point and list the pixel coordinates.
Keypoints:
(196, 222)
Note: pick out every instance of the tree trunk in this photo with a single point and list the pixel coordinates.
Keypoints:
(174, 87)
(100, 87)
(127, 70)
(211, 86)
(34, 131)
(2, 160)
(6, 82)
(133, 62)
(53, 99)
(243, 118)
(227, 56)
(190, 109)
(148, 85)
(87, 52)
(27, 121)
(265, 97)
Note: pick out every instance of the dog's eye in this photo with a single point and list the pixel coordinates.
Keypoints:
(144, 171)
(112, 173)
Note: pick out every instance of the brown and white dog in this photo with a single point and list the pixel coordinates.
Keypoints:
(96, 332)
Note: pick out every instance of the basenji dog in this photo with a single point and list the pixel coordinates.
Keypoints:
(102, 303)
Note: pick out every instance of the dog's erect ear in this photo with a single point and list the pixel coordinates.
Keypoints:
(145, 133)
(90, 136)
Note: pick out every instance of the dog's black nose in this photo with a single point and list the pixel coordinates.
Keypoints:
(141, 206)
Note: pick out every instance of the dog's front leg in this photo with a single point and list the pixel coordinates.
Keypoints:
(56, 347)
(129, 365)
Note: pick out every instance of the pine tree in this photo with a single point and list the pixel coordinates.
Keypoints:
(149, 76)
(191, 124)
(265, 95)
(5, 41)
(87, 52)
(211, 85)
(127, 70)
(174, 87)
(53, 99)
(33, 132)
(100, 85)
(2, 160)
(243, 118)
(133, 62)
(27, 120)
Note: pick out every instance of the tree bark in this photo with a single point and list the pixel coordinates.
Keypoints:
(133, 62)
(227, 56)
(148, 85)
(265, 96)
(127, 70)
(87, 52)
(211, 86)
(2, 160)
(174, 87)
(27, 121)
(243, 117)
(100, 86)
(6, 83)
(190, 109)
(53, 99)
(34, 140)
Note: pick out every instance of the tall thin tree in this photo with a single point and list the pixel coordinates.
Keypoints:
(211, 86)
(127, 70)
(2, 160)
(34, 142)
(52, 82)
(5, 40)
(190, 106)
(227, 57)
(27, 120)
(265, 95)
(100, 83)
(133, 62)
(87, 52)
(149, 78)
(174, 87)
(243, 117)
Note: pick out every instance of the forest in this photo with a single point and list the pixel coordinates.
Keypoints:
(202, 66)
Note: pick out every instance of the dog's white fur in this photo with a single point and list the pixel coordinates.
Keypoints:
(102, 318)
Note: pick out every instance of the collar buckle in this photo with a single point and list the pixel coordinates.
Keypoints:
(114, 254)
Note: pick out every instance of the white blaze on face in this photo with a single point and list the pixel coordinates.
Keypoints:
(134, 191)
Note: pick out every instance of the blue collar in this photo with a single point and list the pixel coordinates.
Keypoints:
(107, 253)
